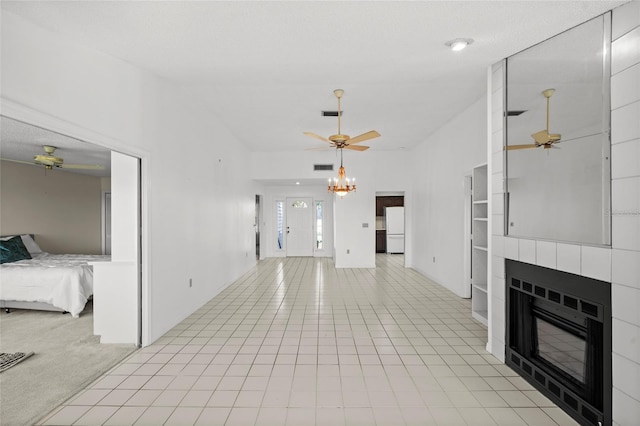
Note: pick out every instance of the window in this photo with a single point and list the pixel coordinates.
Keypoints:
(280, 223)
(319, 221)
(299, 204)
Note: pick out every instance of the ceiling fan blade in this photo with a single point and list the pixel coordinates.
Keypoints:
(357, 147)
(313, 135)
(364, 137)
(31, 163)
(81, 166)
(512, 147)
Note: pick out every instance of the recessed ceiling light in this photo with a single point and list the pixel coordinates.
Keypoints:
(297, 183)
(458, 43)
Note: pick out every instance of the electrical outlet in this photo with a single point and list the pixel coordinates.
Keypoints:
(434, 259)
(190, 282)
(348, 251)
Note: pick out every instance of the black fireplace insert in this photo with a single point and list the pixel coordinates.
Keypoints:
(559, 338)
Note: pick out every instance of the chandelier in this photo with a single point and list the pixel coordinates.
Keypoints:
(341, 185)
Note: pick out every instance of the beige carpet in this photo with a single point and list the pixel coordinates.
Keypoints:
(67, 357)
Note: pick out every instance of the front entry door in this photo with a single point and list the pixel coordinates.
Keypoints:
(300, 226)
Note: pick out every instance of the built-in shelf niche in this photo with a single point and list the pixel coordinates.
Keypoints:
(479, 236)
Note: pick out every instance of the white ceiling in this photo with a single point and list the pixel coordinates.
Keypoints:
(21, 141)
(268, 68)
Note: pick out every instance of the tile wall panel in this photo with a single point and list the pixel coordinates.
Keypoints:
(568, 257)
(495, 144)
(625, 201)
(527, 251)
(625, 87)
(625, 125)
(596, 263)
(625, 339)
(624, 304)
(625, 409)
(546, 254)
(625, 268)
(625, 159)
(625, 19)
(625, 374)
(625, 51)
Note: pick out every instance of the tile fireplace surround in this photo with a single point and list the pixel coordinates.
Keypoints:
(618, 264)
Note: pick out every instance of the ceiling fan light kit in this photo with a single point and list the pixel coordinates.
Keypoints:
(340, 140)
(49, 161)
(342, 185)
(542, 138)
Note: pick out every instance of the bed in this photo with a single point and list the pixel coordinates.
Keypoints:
(45, 281)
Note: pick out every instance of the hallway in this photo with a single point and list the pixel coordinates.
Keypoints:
(297, 342)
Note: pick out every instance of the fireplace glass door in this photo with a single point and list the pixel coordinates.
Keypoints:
(561, 348)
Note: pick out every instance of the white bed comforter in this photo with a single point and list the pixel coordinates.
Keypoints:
(62, 280)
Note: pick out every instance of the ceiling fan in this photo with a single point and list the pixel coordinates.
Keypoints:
(543, 137)
(344, 141)
(49, 161)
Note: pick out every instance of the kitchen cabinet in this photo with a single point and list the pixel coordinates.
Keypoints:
(388, 201)
(395, 201)
(379, 206)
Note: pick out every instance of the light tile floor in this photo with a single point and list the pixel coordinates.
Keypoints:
(298, 342)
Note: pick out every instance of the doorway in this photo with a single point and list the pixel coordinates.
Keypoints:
(300, 226)
(257, 227)
(77, 334)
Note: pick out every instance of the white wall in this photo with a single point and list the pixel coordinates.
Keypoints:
(195, 174)
(439, 166)
(618, 264)
(125, 209)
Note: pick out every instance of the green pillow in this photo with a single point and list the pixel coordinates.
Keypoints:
(13, 250)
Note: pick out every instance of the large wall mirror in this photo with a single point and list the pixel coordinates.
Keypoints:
(559, 178)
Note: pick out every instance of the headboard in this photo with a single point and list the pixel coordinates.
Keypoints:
(15, 235)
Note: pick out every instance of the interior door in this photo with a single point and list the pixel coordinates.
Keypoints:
(300, 226)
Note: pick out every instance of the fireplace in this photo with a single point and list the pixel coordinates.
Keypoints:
(559, 338)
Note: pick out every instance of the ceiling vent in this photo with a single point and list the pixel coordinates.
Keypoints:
(332, 113)
(322, 167)
(515, 113)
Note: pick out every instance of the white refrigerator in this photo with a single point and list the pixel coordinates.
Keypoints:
(394, 221)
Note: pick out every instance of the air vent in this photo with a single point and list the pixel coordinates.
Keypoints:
(515, 113)
(332, 113)
(321, 167)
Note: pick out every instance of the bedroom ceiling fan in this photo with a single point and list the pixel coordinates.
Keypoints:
(49, 161)
(543, 137)
(341, 141)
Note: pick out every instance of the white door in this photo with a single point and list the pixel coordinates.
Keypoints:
(300, 226)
